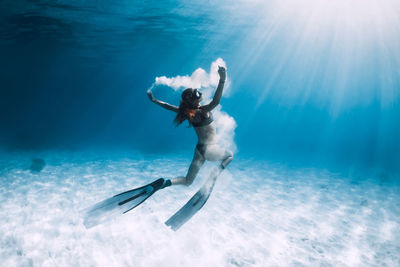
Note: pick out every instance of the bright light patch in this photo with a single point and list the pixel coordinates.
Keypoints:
(338, 53)
(356, 13)
(354, 16)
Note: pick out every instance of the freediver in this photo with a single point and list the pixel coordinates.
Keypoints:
(200, 117)
(207, 148)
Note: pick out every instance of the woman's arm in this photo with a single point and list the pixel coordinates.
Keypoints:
(218, 92)
(162, 104)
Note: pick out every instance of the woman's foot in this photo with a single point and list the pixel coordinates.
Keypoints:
(167, 182)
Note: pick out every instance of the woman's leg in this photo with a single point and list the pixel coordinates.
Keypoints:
(228, 158)
(197, 162)
(216, 153)
(212, 153)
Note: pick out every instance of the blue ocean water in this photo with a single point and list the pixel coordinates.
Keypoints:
(311, 109)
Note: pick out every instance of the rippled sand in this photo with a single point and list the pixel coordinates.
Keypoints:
(258, 215)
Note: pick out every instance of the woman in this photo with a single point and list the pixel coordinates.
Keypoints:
(200, 117)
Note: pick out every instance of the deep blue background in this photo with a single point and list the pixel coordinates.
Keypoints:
(74, 75)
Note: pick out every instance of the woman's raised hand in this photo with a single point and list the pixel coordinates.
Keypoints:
(222, 73)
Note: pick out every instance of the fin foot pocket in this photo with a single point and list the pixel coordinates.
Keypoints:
(166, 183)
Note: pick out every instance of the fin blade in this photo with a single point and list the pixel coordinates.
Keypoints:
(192, 206)
(119, 204)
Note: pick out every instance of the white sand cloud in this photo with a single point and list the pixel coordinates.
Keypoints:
(198, 79)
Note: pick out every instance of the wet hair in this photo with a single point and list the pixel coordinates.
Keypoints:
(186, 106)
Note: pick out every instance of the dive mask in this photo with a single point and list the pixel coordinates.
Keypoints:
(196, 94)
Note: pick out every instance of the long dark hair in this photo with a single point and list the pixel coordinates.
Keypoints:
(186, 107)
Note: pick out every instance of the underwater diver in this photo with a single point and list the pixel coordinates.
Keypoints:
(200, 117)
(207, 148)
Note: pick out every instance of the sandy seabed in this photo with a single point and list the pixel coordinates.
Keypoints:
(259, 214)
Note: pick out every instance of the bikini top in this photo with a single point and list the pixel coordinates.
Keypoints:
(202, 120)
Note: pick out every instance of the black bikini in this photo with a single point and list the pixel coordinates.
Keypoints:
(203, 122)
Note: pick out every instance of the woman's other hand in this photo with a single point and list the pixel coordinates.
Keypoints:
(222, 73)
(150, 95)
